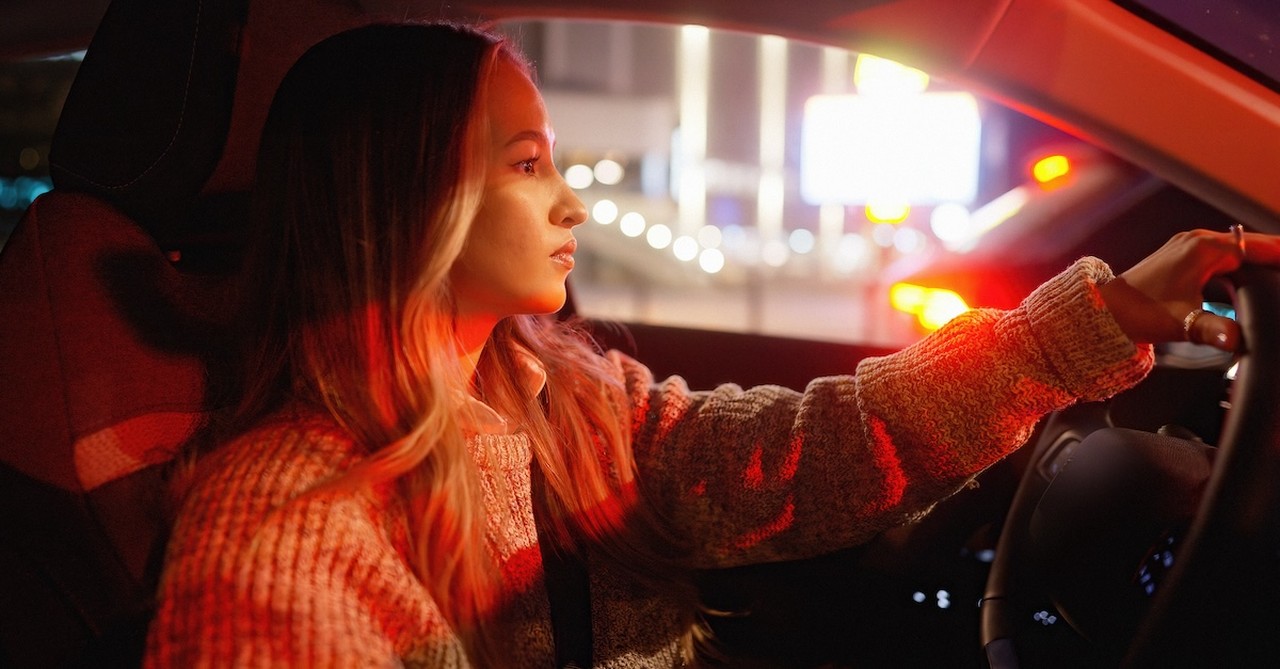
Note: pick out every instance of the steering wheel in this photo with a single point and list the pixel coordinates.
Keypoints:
(1219, 603)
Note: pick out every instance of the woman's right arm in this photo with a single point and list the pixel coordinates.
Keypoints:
(767, 473)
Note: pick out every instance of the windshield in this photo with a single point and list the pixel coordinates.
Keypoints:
(1243, 33)
(755, 184)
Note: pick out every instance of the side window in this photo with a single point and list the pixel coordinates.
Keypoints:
(31, 97)
(756, 184)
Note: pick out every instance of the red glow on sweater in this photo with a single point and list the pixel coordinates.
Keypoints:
(792, 462)
(522, 570)
(885, 455)
(610, 515)
(754, 478)
(780, 523)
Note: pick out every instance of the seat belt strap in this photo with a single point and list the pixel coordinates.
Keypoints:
(568, 588)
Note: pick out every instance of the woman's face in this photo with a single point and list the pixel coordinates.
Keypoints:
(520, 247)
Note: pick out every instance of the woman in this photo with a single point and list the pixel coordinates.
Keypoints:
(413, 442)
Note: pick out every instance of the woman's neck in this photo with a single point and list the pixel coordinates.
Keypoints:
(472, 334)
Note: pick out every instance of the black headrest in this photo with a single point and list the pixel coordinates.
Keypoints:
(146, 120)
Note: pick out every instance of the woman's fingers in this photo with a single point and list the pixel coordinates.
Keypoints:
(1203, 327)
(1143, 317)
(1262, 249)
(1224, 253)
(1158, 298)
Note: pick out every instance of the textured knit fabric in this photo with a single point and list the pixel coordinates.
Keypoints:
(257, 575)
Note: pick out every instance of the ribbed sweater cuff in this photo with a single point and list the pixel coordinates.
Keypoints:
(1080, 338)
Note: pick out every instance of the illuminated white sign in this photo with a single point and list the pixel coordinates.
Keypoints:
(912, 149)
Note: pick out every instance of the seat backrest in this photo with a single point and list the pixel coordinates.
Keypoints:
(113, 302)
(104, 377)
(104, 341)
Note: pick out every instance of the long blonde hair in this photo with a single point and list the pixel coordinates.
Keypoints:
(370, 173)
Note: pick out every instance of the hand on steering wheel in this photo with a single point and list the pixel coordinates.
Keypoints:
(1216, 604)
(1159, 298)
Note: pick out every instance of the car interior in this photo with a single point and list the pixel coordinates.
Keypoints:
(106, 350)
(113, 331)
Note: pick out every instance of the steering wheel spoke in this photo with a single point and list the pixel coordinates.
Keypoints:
(1158, 549)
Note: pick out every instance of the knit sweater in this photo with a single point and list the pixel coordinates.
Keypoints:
(256, 576)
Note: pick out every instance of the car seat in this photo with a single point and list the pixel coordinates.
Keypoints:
(114, 304)
(107, 333)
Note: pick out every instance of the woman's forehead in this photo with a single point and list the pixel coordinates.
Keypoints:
(514, 103)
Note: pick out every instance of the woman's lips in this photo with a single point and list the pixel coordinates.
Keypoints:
(564, 254)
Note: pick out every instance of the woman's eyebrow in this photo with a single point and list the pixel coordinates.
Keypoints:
(530, 135)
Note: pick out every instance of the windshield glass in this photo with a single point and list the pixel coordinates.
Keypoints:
(1243, 33)
(755, 184)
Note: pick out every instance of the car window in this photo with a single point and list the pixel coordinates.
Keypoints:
(31, 95)
(1242, 33)
(756, 184)
(753, 184)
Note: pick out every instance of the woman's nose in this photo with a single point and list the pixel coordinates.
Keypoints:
(572, 210)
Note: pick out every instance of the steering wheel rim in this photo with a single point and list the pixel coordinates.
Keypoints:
(1220, 603)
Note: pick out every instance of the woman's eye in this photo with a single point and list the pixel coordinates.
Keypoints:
(528, 166)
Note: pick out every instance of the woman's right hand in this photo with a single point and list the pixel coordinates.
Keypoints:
(1155, 299)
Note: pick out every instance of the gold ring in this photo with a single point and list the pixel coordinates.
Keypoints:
(1190, 320)
(1237, 230)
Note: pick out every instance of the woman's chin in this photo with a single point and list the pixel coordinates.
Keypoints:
(548, 304)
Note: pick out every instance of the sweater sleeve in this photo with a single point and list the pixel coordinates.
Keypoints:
(769, 474)
(262, 573)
